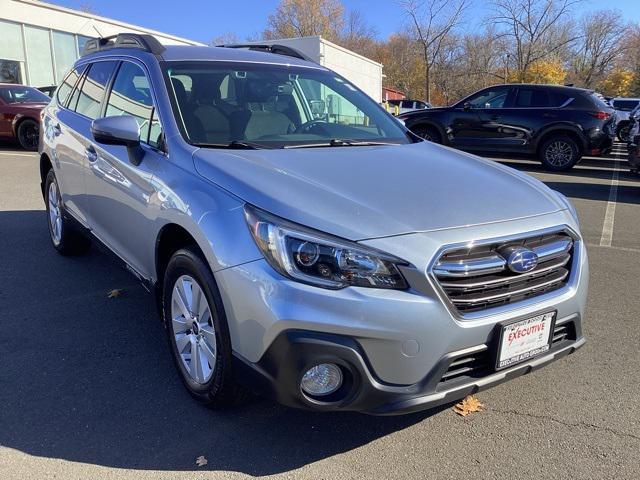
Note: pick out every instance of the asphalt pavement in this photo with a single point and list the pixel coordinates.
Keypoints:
(88, 390)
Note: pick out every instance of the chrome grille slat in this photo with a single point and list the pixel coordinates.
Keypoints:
(506, 280)
(558, 278)
(477, 277)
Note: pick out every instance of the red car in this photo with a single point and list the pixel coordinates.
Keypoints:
(20, 108)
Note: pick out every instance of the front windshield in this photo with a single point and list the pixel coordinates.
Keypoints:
(23, 95)
(274, 106)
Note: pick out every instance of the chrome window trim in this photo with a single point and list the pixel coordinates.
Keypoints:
(570, 285)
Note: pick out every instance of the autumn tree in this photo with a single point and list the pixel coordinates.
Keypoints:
(431, 22)
(617, 83)
(304, 18)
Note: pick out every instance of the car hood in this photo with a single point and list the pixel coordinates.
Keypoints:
(28, 106)
(376, 191)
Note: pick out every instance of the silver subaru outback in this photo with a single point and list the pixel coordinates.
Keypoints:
(300, 242)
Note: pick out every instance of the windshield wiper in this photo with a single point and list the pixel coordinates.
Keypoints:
(340, 142)
(235, 144)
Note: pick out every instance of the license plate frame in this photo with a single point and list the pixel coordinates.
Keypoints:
(547, 318)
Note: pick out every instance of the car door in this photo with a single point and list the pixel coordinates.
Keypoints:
(472, 124)
(527, 109)
(119, 191)
(5, 119)
(60, 124)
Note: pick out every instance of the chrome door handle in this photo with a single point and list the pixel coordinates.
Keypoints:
(91, 153)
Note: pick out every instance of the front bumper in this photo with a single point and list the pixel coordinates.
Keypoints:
(277, 375)
(399, 343)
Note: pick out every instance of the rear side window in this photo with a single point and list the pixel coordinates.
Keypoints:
(89, 100)
(131, 95)
(559, 99)
(625, 105)
(65, 88)
(532, 98)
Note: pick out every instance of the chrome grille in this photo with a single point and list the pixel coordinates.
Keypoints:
(477, 278)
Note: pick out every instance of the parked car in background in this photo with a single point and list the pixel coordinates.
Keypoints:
(398, 107)
(558, 124)
(302, 242)
(20, 108)
(623, 107)
(633, 144)
(48, 91)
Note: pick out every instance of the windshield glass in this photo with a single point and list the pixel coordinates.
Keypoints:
(625, 105)
(274, 106)
(23, 95)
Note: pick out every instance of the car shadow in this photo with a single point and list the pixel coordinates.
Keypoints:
(87, 378)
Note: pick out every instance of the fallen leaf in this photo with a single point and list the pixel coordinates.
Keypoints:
(467, 406)
(116, 292)
(201, 461)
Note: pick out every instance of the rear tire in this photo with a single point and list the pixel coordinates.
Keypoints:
(428, 133)
(623, 132)
(66, 239)
(197, 330)
(28, 134)
(559, 153)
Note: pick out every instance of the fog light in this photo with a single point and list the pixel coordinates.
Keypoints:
(322, 379)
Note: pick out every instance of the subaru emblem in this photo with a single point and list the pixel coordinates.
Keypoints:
(521, 260)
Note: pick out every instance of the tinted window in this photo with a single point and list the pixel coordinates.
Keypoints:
(92, 92)
(493, 98)
(67, 85)
(407, 104)
(531, 98)
(22, 94)
(421, 105)
(394, 102)
(558, 99)
(131, 95)
(625, 105)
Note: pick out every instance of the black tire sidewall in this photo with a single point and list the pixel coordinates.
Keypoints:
(21, 128)
(423, 130)
(561, 138)
(188, 262)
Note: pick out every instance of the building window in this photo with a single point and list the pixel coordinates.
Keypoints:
(82, 40)
(64, 53)
(39, 61)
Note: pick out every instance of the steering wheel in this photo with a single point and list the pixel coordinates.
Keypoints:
(307, 127)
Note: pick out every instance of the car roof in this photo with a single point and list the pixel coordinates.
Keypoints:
(565, 88)
(201, 53)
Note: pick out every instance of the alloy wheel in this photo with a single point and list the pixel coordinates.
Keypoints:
(193, 330)
(559, 153)
(55, 214)
(29, 136)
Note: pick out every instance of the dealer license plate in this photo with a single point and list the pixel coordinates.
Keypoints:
(525, 339)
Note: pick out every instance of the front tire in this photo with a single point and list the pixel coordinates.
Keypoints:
(28, 135)
(559, 153)
(64, 237)
(428, 133)
(197, 330)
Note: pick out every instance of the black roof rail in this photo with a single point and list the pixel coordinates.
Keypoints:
(271, 48)
(148, 43)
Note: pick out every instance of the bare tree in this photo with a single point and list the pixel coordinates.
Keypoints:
(600, 45)
(87, 7)
(431, 22)
(226, 38)
(358, 35)
(535, 29)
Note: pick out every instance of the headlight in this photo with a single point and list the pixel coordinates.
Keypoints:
(569, 206)
(319, 259)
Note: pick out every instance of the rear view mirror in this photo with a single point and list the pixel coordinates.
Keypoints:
(119, 130)
(318, 108)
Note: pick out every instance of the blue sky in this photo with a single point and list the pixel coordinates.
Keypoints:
(203, 20)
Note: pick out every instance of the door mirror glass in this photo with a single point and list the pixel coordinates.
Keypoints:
(116, 130)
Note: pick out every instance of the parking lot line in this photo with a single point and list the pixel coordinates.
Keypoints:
(610, 214)
(16, 154)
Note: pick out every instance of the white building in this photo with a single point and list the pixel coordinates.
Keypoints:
(362, 71)
(40, 41)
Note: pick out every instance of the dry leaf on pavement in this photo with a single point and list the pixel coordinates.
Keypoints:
(467, 406)
(201, 461)
(116, 292)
